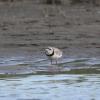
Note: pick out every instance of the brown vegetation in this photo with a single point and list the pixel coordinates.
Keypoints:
(94, 2)
(53, 1)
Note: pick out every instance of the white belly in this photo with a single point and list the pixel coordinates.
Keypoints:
(57, 55)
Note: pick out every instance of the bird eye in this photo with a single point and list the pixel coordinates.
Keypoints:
(49, 48)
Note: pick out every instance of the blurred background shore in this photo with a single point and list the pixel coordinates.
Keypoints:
(28, 26)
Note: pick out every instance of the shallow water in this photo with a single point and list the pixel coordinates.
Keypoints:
(33, 78)
(51, 87)
(41, 65)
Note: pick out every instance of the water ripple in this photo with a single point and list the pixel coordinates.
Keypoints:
(36, 65)
(51, 87)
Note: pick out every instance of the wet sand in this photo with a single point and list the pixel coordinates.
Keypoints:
(28, 27)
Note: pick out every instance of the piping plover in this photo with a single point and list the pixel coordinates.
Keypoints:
(53, 53)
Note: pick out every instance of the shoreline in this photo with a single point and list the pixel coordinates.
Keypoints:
(28, 28)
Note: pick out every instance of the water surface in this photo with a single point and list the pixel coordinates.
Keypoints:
(34, 78)
(51, 87)
(41, 65)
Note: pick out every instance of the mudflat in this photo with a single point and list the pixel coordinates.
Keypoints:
(28, 28)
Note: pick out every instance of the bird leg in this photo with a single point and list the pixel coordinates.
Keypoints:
(56, 61)
(51, 61)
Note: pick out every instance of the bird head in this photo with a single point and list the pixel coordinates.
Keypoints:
(49, 51)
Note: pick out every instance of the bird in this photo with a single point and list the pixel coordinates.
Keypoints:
(53, 53)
